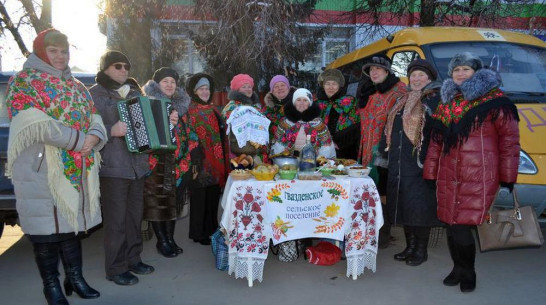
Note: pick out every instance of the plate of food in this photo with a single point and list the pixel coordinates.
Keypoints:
(240, 174)
(358, 171)
(265, 172)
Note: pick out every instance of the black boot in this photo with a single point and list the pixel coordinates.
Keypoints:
(169, 226)
(468, 273)
(47, 259)
(384, 236)
(71, 256)
(453, 278)
(420, 254)
(162, 245)
(410, 244)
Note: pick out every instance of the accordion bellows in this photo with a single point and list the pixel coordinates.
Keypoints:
(148, 125)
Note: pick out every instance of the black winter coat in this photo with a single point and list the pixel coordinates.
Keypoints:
(410, 200)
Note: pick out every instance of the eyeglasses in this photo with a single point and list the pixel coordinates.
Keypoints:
(119, 66)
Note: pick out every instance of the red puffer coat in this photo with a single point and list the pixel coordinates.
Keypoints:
(468, 175)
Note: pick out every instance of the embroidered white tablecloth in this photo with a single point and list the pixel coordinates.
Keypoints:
(250, 225)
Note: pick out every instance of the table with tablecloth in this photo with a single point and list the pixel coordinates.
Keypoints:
(256, 212)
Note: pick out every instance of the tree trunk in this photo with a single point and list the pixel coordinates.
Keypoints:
(428, 8)
(13, 30)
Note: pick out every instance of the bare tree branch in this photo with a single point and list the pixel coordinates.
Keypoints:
(13, 30)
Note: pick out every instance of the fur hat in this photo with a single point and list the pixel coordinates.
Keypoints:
(423, 65)
(381, 61)
(163, 72)
(278, 78)
(331, 74)
(239, 80)
(302, 92)
(112, 57)
(464, 59)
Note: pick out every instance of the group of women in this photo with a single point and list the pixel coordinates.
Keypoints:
(446, 148)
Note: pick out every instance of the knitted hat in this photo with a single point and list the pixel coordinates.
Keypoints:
(423, 65)
(302, 92)
(239, 80)
(39, 44)
(464, 59)
(112, 57)
(203, 81)
(163, 72)
(381, 61)
(331, 74)
(278, 78)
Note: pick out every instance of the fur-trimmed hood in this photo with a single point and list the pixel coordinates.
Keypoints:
(180, 99)
(192, 81)
(245, 100)
(483, 81)
(271, 101)
(308, 115)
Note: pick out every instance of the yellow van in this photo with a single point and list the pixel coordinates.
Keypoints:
(520, 60)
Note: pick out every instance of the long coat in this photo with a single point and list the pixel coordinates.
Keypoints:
(44, 206)
(477, 151)
(410, 200)
(160, 186)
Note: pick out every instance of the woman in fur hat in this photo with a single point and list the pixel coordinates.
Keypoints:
(474, 149)
(53, 160)
(275, 101)
(242, 94)
(410, 200)
(160, 186)
(206, 176)
(381, 92)
(302, 119)
(338, 111)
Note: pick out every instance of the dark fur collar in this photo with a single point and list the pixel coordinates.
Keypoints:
(108, 83)
(272, 102)
(245, 100)
(387, 84)
(321, 94)
(308, 115)
(180, 99)
(192, 81)
(483, 81)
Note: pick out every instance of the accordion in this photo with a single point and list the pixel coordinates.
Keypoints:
(148, 125)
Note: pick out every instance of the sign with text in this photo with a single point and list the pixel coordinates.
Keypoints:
(307, 209)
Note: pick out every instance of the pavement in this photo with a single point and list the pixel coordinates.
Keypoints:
(504, 277)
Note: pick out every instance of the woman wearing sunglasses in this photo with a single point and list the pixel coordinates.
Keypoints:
(122, 174)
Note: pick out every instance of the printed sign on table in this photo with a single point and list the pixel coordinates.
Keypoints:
(307, 209)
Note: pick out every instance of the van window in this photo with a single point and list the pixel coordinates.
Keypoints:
(401, 61)
(522, 67)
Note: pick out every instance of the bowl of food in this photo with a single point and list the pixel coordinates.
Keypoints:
(284, 161)
(264, 172)
(242, 161)
(327, 170)
(240, 174)
(288, 174)
(358, 171)
(309, 176)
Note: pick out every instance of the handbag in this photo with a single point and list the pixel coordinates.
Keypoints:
(324, 254)
(220, 250)
(510, 228)
(288, 251)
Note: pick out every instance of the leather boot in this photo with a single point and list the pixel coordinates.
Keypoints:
(169, 226)
(420, 254)
(47, 259)
(410, 244)
(468, 273)
(71, 256)
(384, 236)
(453, 279)
(162, 245)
